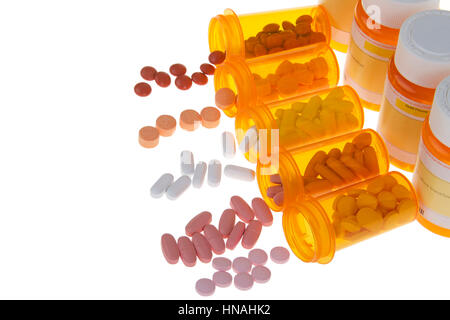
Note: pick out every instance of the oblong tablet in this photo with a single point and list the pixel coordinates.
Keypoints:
(251, 234)
(221, 264)
(199, 174)
(214, 173)
(243, 210)
(235, 235)
(202, 247)
(274, 190)
(275, 178)
(250, 140)
(258, 257)
(262, 212)
(279, 199)
(226, 222)
(242, 264)
(279, 255)
(261, 274)
(177, 188)
(198, 223)
(222, 279)
(169, 248)
(214, 238)
(239, 173)
(205, 287)
(243, 281)
(228, 145)
(161, 185)
(187, 251)
(187, 162)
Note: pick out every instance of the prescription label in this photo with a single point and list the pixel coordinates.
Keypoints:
(432, 183)
(371, 47)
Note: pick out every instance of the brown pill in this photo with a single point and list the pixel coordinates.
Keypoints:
(199, 78)
(338, 167)
(302, 28)
(318, 186)
(319, 157)
(304, 19)
(260, 50)
(190, 120)
(207, 69)
(162, 79)
(148, 137)
(273, 27)
(225, 98)
(317, 37)
(142, 89)
(288, 25)
(166, 125)
(148, 73)
(210, 117)
(274, 40)
(177, 69)
(328, 174)
(355, 166)
(217, 57)
(183, 82)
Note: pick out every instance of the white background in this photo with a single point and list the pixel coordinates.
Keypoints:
(76, 218)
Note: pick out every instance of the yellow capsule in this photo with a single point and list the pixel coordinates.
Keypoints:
(336, 93)
(370, 219)
(312, 108)
(328, 120)
(367, 200)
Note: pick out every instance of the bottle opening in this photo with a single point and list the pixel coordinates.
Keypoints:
(225, 34)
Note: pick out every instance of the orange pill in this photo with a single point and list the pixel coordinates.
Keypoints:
(328, 174)
(319, 157)
(148, 73)
(273, 27)
(208, 69)
(148, 137)
(183, 82)
(304, 19)
(225, 98)
(371, 160)
(303, 28)
(177, 69)
(288, 25)
(162, 79)
(142, 89)
(166, 125)
(210, 117)
(216, 57)
(349, 149)
(335, 153)
(355, 166)
(287, 84)
(260, 50)
(199, 78)
(338, 167)
(190, 120)
(363, 140)
(274, 40)
(316, 37)
(318, 186)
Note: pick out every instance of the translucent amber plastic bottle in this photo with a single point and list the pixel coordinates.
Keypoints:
(274, 31)
(278, 76)
(341, 14)
(303, 120)
(320, 167)
(315, 228)
(373, 42)
(432, 175)
(421, 61)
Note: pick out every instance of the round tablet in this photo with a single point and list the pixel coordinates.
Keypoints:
(221, 264)
(162, 79)
(222, 279)
(183, 82)
(177, 69)
(242, 264)
(148, 73)
(217, 57)
(210, 117)
(261, 274)
(142, 89)
(243, 281)
(205, 287)
(225, 98)
(166, 125)
(208, 69)
(199, 78)
(148, 137)
(190, 120)
(279, 255)
(258, 257)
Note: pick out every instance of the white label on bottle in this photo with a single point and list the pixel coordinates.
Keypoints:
(370, 46)
(340, 36)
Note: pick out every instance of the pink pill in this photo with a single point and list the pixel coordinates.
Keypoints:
(235, 235)
(198, 223)
(215, 239)
(205, 287)
(279, 199)
(279, 255)
(170, 248)
(261, 274)
(274, 190)
(258, 257)
(202, 247)
(262, 212)
(243, 210)
(275, 178)
(222, 279)
(221, 264)
(243, 281)
(226, 222)
(251, 234)
(187, 251)
(242, 264)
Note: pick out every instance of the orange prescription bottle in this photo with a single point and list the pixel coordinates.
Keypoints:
(315, 228)
(432, 174)
(341, 14)
(421, 61)
(277, 76)
(257, 34)
(374, 36)
(302, 120)
(320, 167)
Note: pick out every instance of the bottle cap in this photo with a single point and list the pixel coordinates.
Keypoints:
(440, 113)
(423, 50)
(392, 13)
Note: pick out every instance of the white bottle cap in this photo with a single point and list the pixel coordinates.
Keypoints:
(392, 13)
(423, 49)
(440, 113)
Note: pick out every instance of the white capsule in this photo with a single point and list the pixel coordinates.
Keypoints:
(187, 163)
(239, 173)
(228, 145)
(214, 173)
(160, 186)
(177, 188)
(199, 175)
(250, 140)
